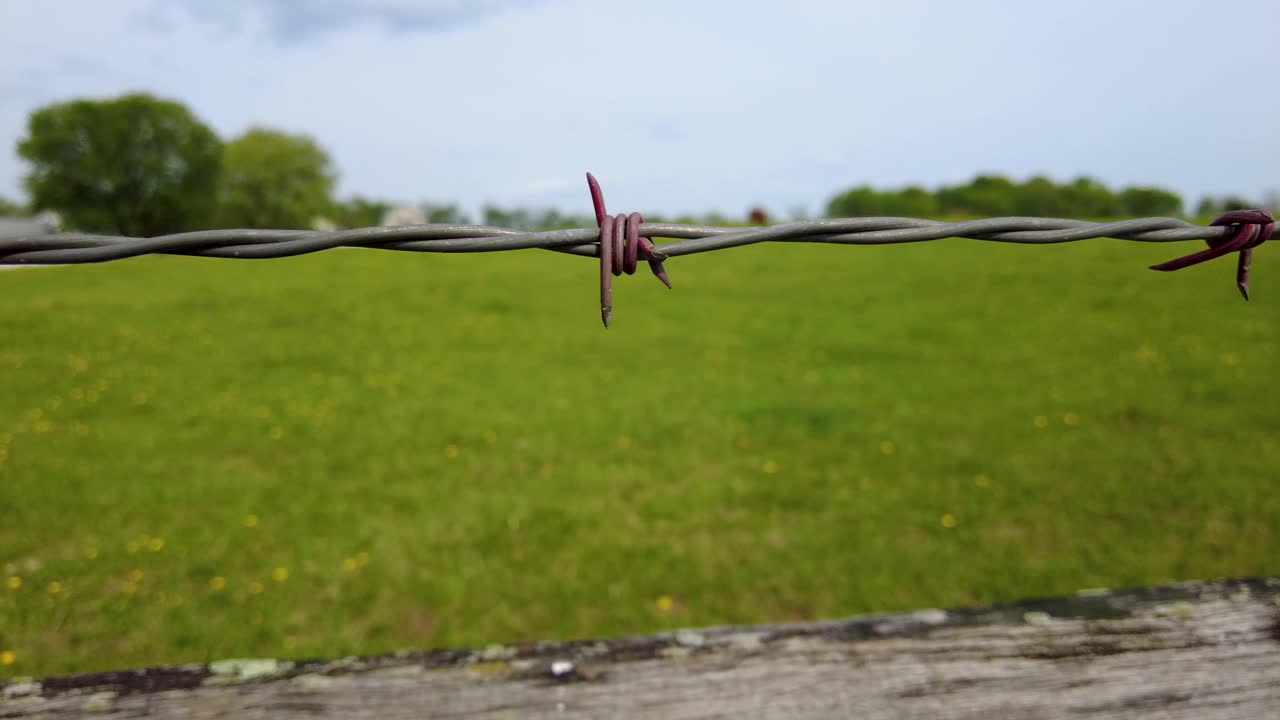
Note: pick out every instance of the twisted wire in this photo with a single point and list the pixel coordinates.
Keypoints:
(619, 241)
(79, 248)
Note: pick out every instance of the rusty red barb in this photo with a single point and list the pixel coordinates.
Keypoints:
(1252, 228)
(620, 245)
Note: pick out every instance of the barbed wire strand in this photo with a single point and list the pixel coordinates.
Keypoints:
(619, 241)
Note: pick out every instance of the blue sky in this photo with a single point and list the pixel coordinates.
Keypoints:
(685, 106)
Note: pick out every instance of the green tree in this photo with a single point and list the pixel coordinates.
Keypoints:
(1149, 201)
(1088, 198)
(273, 179)
(1235, 202)
(10, 208)
(133, 165)
(360, 212)
(912, 202)
(861, 201)
(445, 214)
(985, 196)
(494, 216)
(1039, 197)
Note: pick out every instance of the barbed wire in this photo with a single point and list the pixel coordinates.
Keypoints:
(619, 241)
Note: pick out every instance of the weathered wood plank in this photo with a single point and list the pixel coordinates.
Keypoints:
(1195, 650)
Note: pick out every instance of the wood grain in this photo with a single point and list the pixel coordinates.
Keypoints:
(1195, 650)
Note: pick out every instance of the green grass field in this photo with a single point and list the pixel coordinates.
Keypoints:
(361, 451)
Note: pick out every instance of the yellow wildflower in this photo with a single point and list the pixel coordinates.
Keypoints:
(280, 574)
(217, 582)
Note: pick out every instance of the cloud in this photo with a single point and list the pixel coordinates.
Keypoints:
(292, 22)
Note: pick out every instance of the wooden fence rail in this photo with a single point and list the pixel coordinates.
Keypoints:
(1194, 650)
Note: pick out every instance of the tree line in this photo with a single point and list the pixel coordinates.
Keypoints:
(138, 165)
(998, 196)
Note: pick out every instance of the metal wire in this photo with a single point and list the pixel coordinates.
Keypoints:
(1238, 231)
(76, 248)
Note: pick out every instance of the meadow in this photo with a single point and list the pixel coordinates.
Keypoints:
(358, 451)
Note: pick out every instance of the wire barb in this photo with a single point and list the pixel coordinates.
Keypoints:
(618, 242)
(1250, 228)
(620, 245)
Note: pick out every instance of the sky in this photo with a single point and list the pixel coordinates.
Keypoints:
(688, 106)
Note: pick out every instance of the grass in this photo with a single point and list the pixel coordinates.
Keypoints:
(359, 451)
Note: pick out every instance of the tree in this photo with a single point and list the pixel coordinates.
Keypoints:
(494, 216)
(1207, 207)
(445, 214)
(360, 212)
(273, 179)
(1149, 201)
(10, 208)
(133, 165)
(1235, 202)
(985, 195)
(913, 201)
(1088, 198)
(1039, 197)
(861, 201)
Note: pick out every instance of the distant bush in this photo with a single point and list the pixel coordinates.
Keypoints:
(11, 208)
(997, 196)
(1213, 206)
